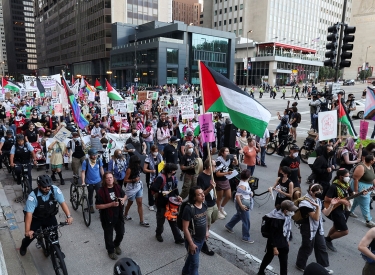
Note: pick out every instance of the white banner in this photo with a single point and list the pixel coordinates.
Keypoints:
(103, 103)
(174, 111)
(187, 107)
(327, 122)
(62, 95)
(91, 96)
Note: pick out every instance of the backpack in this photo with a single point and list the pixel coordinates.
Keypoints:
(297, 217)
(179, 217)
(163, 184)
(266, 227)
(323, 106)
(298, 119)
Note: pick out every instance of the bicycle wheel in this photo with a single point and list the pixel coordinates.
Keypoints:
(86, 211)
(74, 196)
(271, 148)
(58, 262)
(43, 246)
(25, 188)
(14, 174)
(304, 154)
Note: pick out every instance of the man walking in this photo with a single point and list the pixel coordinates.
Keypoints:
(283, 91)
(263, 141)
(297, 92)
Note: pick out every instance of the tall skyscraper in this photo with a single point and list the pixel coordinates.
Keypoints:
(3, 50)
(187, 11)
(19, 37)
(301, 23)
(75, 35)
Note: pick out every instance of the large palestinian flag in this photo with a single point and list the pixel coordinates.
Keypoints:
(10, 85)
(112, 93)
(345, 119)
(221, 95)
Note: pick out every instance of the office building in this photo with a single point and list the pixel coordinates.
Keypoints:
(158, 53)
(3, 50)
(75, 36)
(19, 40)
(187, 11)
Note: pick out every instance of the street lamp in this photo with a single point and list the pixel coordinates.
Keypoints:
(135, 53)
(110, 76)
(247, 58)
(366, 55)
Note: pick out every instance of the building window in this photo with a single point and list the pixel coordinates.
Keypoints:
(225, 10)
(172, 76)
(172, 56)
(215, 24)
(230, 9)
(235, 32)
(225, 22)
(220, 11)
(230, 21)
(240, 19)
(215, 12)
(219, 23)
(241, 6)
(240, 32)
(235, 7)
(235, 20)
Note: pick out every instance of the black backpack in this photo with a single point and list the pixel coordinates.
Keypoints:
(266, 228)
(179, 217)
(323, 106)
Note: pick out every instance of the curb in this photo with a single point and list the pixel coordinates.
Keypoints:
(8, 221)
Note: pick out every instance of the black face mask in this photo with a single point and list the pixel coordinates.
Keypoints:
(134, 134)
(280, 175)
(319, 195)
(331, 154)
(104, 145)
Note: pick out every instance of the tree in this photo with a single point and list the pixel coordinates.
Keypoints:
(364, 74)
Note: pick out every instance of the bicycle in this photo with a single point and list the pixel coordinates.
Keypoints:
(26, 189)
(6, 162)
(274, 144)
(47, 239)
(78, 198)
(307, 149)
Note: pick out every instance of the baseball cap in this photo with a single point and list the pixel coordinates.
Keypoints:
(288, 205)
(294, 147)
(174, 139)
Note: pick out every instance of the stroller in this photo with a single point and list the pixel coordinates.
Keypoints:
(40, 157)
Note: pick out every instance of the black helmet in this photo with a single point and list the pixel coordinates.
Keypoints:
(126, 266)
(20, 137)
(44, 181)
(9, 132)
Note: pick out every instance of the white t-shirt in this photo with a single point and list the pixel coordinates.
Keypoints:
(263, 140)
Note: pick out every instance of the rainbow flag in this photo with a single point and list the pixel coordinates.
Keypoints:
(370, 104)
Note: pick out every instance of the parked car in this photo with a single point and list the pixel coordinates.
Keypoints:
(360, 109)
(349, 82)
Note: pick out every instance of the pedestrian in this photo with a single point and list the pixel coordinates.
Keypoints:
(293, 162)
(171, 151)
(162, 135)
(57, 150)
(278, 242)
(188, 163)
(110, 203)
(194, 240)
(295, 119)
(283, 187)
(297, 93)
(134, 189)
(311, 229)
(323, 167)
(148, 136)
(283, 91)
(250, 154)
(92, 172)
(367, 248)
(76, 148)
(252, 92)
(118, 165)
(136, 143)
(263, 142)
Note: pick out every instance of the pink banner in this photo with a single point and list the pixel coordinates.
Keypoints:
(207, 128)
(363, 129)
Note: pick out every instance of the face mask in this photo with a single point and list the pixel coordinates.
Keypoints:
(104, 146)
(119, 156)
(290, 213)
(318, 195)
(295, 154)
(155, 154)
(190, 150)
(331, 154)
(346, 179)
(76, 139)
(134, 134)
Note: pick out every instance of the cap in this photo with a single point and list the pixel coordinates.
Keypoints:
(39, 125)
(75, 134)
(288, 205)
(174, 139)
(294, 147)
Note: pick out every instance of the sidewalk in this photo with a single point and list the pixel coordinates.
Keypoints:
(10, 236)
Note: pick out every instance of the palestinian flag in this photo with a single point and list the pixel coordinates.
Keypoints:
(112, 93)
(345, 119)
(11, 86)
(98, 86)
(219, 94)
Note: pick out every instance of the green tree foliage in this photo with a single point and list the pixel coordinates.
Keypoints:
(364, 74)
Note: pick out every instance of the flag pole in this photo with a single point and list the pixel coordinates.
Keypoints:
(339, 115)
(207, 143)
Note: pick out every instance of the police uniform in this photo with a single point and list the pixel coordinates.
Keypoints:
(7, 142)
(43, 209)
(22, 155)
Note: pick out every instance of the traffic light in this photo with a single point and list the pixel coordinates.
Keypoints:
(186, 73)
(332, 46)
(347, 47)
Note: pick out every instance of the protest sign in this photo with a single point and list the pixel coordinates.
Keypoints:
(327, 125)
(43, 109)
(117, 118)
(207, 127)
(363, 129)
(142, 95)
(187, 107)
(54, 100)
(91, 96)
(174, 111)
(8, 95)
(153, 95)
(2, 96)
(54, 94)
(147, 105)
(130, 107)
(58, 109)
(62, 134)
(103, 103)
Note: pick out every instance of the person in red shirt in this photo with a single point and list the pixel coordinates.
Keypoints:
(19, 121)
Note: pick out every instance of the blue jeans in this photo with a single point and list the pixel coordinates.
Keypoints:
(161, 147)
(192, 261)
(262, 155)
(251, 168)
(243, 216)
(148, 146)
(363, 201)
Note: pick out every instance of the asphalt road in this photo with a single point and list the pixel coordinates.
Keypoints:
(85, 251)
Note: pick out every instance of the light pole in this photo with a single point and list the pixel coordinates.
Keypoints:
(247, 58)
(135, 56)
(364, 78)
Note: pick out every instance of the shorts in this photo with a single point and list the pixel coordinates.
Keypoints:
(339, 219)
(58, 166)
(222, 185)
(212, 213)
(139, 194)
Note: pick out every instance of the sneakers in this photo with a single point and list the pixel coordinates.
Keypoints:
(370, 224)
(300, 268)
(353, 215)
(330, 246)
(223, 211)
(228, 229)
(247, 241)
(145, 224)
(208, 252)
(151, 208)
(23, 251)
(113, 256)
(220, 216)
(62, 182)
(128, 218)
(329, 270)
(118, 250)
(53, 177)
(179, 241)
(92, 210)
(159, 238)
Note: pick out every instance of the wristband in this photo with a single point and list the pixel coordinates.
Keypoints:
(68, 217)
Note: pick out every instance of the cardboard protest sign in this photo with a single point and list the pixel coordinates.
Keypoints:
(142, 95)
(363, 129)
(153, 95)
(62, 134)
(187, 107)
(91, 96)
(130, 107)
(58, 109)
(327, 125)
(174, 111)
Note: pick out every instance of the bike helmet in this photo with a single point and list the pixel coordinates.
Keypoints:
(92, 152)
(9, 132)
(126, 266)
(44, 181)
(20, 137)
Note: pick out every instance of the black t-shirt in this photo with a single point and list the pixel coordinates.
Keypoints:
(204, 181)
(305, 213)
(277, 238)
(200, 220)
(293, 164)
(285, 188)
(116, 213)
(31, 135)
(187, 161)
(78, 149)
(170, 184)
(137, 145)
(332, 193)
(170, 154)
(294, 115)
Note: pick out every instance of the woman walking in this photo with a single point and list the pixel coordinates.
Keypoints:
(57, 150)
(283, 186)
(250, 154)
(117, 165)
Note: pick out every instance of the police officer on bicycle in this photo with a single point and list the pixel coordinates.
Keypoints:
(6, 144)
(41, 209)
(20, 154)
